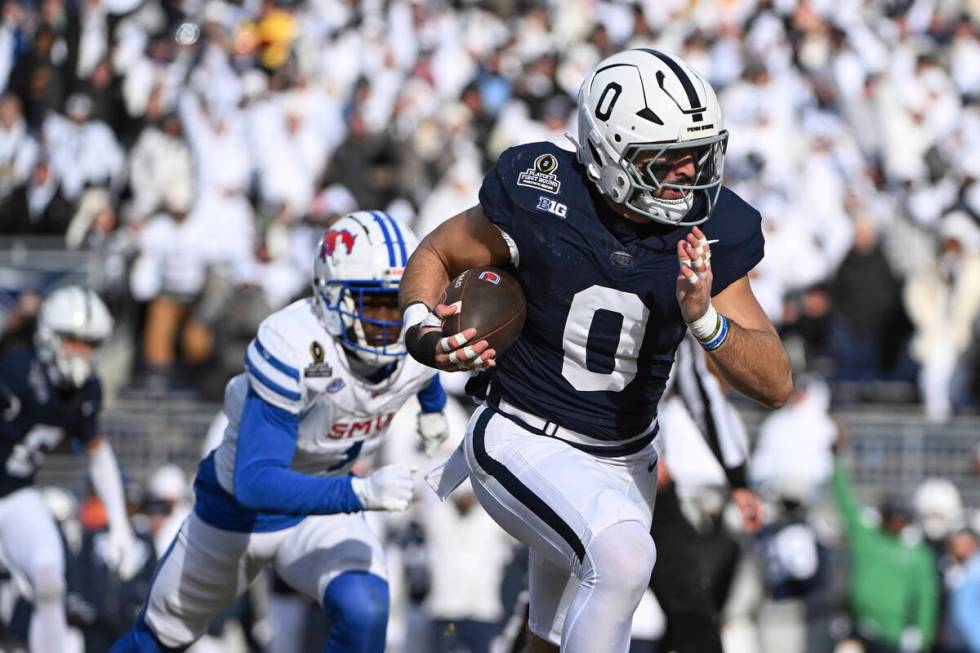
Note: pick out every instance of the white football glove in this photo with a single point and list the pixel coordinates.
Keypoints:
(124, 553)
(433, 430)
(389, 488)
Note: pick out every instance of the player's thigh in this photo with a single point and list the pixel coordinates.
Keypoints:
(29, 536)
(550, 495)
(322, 547)
(204, 570)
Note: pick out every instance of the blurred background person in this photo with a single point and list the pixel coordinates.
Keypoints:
(893, 591)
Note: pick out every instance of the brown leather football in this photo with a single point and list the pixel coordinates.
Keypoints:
(490, 301)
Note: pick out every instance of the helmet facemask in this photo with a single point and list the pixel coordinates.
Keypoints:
(72, 324)
(659, 198)
(348, 307)
(70, 358)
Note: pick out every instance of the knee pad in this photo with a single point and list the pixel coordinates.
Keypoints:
(357, 604)
(623, 554)
(49, 583)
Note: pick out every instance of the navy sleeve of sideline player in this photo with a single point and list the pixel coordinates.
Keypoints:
(263, 480)
(432, 398)
(83, 424)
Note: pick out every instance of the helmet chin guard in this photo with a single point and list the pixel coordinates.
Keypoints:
(360, 259)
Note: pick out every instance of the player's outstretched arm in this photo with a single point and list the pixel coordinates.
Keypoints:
(732, 326)
(466, 240)
(264, 481)
(124, 550)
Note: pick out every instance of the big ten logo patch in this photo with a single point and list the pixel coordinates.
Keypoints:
(541, 175)
(366, 428)
(551, 206)
(490, 277)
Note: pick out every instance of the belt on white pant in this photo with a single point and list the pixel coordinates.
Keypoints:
(541, 426)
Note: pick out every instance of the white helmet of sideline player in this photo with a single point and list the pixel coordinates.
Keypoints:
(639, 112)
(71, 324)
(356, 274)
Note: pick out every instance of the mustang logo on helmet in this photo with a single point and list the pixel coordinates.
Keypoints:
(330, 241)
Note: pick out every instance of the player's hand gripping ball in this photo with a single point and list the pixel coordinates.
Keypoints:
(480, 314)
(488, 300)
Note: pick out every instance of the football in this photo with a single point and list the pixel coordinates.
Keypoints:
(490, 301)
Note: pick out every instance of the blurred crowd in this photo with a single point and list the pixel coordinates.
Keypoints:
(198, 146)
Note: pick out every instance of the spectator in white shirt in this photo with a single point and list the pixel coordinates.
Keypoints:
(83, 152)
(943, 301)
(170, 274)
(468, 554)
(159, 161)
(18, 150)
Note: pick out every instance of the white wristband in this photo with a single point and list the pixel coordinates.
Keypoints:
(414, 314)
(707, 326)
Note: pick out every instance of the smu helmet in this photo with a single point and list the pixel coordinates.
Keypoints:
(363, 253)
(636, 110)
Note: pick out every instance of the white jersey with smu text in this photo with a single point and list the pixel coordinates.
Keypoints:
(295, 365)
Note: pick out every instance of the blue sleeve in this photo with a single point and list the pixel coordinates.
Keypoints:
(263, 480)
(432, 398)
(966, 607)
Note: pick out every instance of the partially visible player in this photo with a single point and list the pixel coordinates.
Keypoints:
(323, 379)
(611, 245)
(49, 391)
(693, 413)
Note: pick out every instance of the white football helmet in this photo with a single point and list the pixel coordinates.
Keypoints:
(70, 313)
(637, 111)
(363, 253)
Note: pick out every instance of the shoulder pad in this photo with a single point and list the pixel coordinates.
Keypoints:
(737, 227)
(272, 363)
(535, 170)
(734, 219)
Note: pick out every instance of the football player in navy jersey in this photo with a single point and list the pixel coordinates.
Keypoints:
(621, 247)
(47, 392)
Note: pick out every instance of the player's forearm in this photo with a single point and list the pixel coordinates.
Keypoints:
(263, 480)
(426, 275)
(107, 481)
(282, 491)
(756, 364)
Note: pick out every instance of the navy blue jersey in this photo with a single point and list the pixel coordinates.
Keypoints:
(35, 416)
(603, 321)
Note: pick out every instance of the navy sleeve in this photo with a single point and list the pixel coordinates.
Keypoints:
(432, 398)
(494, 199)
(500, 205)
(263, 480)
(84, 426)
(740, 246)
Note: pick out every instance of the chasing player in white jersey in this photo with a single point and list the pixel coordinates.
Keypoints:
(323, 379)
